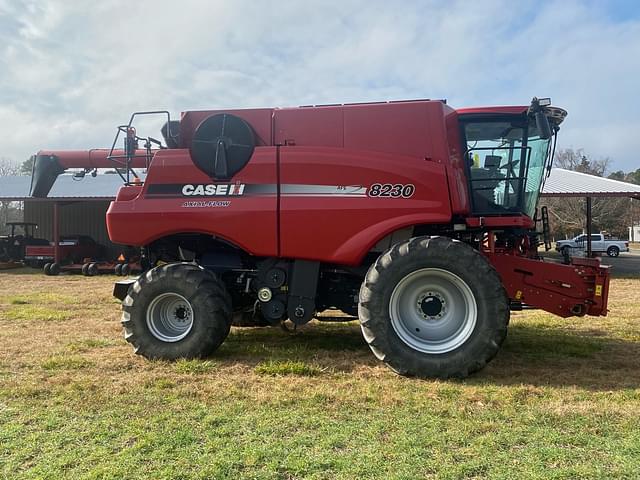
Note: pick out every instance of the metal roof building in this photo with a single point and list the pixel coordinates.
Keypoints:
(567, 183)
(73, 207)
(100, 187)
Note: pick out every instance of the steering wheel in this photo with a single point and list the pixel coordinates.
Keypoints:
(510, 165)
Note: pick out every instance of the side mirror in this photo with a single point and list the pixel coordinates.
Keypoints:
(542, 122)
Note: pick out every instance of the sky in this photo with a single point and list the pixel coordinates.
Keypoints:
(71, 71)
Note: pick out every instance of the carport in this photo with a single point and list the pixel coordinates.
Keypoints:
(74, 206)
(567, 183)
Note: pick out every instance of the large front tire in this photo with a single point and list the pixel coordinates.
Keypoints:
(433, 307)
(176, 311)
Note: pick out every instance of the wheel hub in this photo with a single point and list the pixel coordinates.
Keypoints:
(170, 317)
(181, 313)
(431, 305)
(433, 310)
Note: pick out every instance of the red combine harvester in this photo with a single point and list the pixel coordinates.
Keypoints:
(417, 218)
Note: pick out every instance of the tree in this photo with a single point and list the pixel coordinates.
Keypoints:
(634, 177)
(7, 167)
(578, 161)
(8, 210)
(27, 166)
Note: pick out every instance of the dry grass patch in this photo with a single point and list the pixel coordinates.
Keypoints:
(40, 299)
(35, 313)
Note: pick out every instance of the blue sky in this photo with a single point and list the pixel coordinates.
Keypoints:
(70, 71)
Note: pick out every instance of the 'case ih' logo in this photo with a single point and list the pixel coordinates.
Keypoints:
(213, 190)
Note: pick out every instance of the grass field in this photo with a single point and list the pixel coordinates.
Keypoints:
(561, 400)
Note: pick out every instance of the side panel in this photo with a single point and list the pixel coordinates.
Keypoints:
(242, 212)
(260, 120)
(328, 213)
(456, 176)
(319, 126)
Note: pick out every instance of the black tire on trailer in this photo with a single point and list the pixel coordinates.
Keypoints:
(125, 270)
(118, 269)
(85, 269)
(613, 251)
(47, 269)
(178, 310)
(433, 307)
(54, 269)
(92, 269)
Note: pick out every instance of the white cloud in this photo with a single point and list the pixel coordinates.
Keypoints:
(70, 71)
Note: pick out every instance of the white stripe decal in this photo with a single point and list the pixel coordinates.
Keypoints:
(323, 190)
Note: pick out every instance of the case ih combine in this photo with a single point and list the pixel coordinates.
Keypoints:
(418, 218)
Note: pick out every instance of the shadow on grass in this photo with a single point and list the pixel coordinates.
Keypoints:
(531, 354)
(585, 359)
(338, 347)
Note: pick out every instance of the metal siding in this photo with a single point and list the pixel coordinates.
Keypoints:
(82, 218)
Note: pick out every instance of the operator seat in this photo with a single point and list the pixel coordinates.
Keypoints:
(487, 179)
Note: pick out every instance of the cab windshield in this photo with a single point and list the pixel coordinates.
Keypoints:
(506, 161)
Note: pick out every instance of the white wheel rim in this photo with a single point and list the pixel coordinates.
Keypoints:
(170, 317)
(433, 310)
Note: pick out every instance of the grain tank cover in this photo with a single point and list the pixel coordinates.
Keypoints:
(222, 145)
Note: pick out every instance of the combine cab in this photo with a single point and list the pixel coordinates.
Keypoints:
(416, 218)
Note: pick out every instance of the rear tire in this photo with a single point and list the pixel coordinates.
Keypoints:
(54, 269)
(118, 269)
(433, 307)
(613, 251)
(125, 270)
(92, 269)
(176, 311)
(47, 269)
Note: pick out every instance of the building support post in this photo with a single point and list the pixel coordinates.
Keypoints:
(589, 252)
(56, 232)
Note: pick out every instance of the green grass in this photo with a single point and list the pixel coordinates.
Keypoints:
(28, 312)
(61, 362)
(89, 344)
(39, 298)
(276, 368)
(195, 367)
(561, 400)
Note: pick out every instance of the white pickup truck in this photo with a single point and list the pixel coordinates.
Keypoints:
(599, 244)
